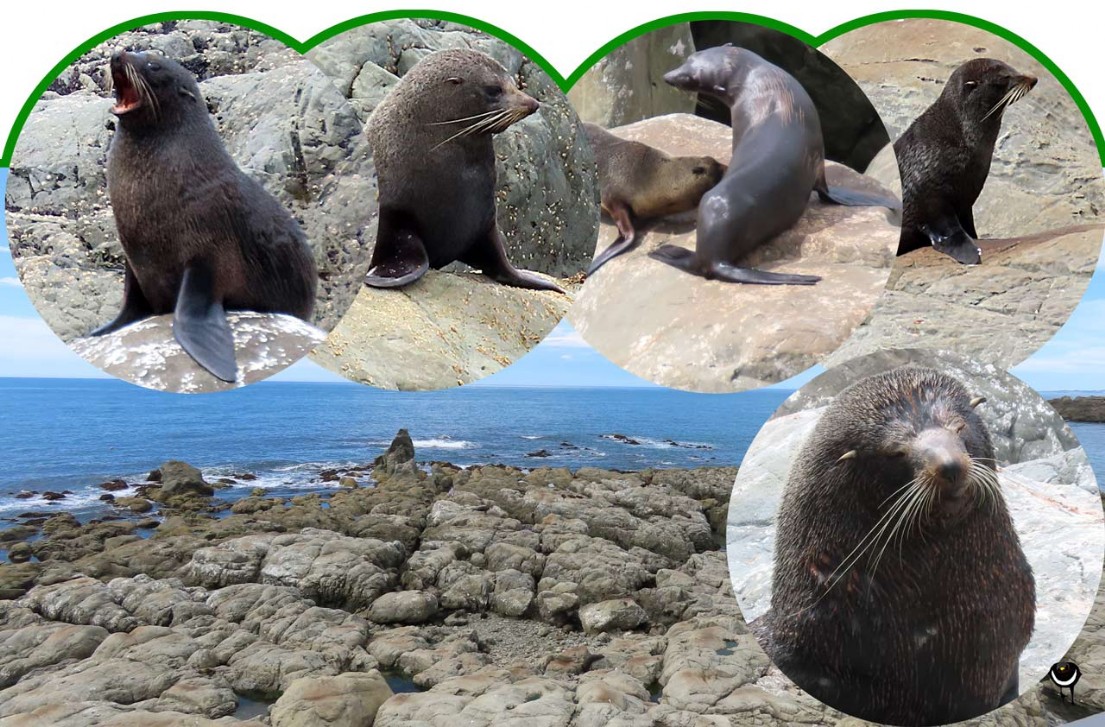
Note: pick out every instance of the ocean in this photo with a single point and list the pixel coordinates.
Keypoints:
(73, 434)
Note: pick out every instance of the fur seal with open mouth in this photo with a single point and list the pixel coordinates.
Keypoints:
(778, 160)
(200, 237)
(900, 592)
(638, 182)
(435, 162)
(944, 157)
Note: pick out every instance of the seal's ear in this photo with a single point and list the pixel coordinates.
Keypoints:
(455, 80)
(977, 400)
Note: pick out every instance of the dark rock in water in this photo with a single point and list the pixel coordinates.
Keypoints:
(50, 496)
(400, 455)
(244, 476)
(568, 445)
(540, 453)
(24, 494)
(20, 553)
(1080, 408)
(114, 485)
(154, 476)
(329, 476)
(181, 480)
(621, 438)
(227, 481)
(107, 497)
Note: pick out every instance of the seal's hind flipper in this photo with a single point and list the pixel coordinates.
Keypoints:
(135, 306)
(949, 237)
(399, 257)
(684, 259)
(627, 238)
(857, 198)
(733, 274)
(200, 326)
(489, 257)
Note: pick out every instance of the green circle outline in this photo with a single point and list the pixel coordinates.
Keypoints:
(565, 83)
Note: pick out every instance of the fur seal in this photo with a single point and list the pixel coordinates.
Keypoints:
(200, 237)
(900, 592)
(435, 162)
(778, 159)
(944, 157)
(638, 182)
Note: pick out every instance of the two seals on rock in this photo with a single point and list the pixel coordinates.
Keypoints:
(638, 182)
(435, 162)
(200, 237)
(945, 154)
(778, 160)
(900, 594)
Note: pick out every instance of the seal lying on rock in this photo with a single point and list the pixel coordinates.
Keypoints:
(431, 143)
(945, 154)
(778, 159)
(638, 182)
(900, 592)
(200, 237)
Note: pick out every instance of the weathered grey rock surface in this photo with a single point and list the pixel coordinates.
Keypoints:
(447, 329)
(683, 331)
(453, 328)
(1044, 179)
(279, 117)
(628, 84)
(146, 353)
(1045, 477)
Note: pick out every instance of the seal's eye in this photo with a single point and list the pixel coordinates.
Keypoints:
(698, 170)
(970, 85)
(493, 91)
(456, 81)
(153, 65)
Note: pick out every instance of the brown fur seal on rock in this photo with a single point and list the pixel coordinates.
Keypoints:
(200, 236)
(638, 182)
(944, 157)
(778, 159)
(431, 143)
(900, 592)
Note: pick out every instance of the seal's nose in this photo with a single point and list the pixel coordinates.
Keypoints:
(1030, 81)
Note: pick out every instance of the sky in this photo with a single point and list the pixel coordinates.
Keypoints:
(1073, 360)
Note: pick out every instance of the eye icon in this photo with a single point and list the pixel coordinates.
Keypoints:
(1065, 675)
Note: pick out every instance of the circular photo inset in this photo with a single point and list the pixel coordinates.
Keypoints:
(186, 203)
(1003, 190)
(487, 210)
(915, 538)
(741, 242)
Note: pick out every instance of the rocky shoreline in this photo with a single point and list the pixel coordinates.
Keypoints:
(488, 595)
(1080, 408)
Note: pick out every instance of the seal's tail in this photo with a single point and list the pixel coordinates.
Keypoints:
(857, 198)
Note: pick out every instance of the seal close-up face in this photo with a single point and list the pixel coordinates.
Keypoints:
(944, 157)
(900, 590)
(200, 237)
(432, 144)
(778, 160)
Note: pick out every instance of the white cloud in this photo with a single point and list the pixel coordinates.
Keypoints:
(564, 336)
(11, 281)
(5, 250)
(31, 349)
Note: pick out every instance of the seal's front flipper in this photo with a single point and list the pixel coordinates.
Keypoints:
(489, 257)
(200, 326)
(1012, 690)
(627, 238)
(399, 257)
(949, 237)
(135, 306)
(857, 198)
